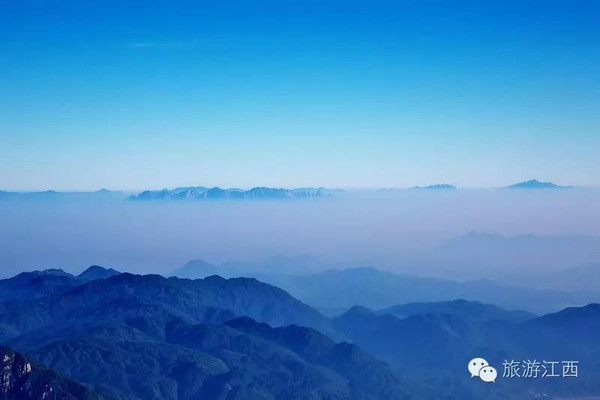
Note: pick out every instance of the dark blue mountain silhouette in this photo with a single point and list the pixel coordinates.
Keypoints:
(140, 337)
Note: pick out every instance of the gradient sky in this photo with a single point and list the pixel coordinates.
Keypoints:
(149, 94)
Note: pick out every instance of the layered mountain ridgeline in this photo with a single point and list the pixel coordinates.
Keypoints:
(300, 264)
(132, 337)
(241, 358)
(539, 273)
(50, 281)
(440, 339)
(472, 310)
(217, 193)
(21, 379)
(180, 193)
(142, 337)
(338, 290)
(35, 299)
(535, 184)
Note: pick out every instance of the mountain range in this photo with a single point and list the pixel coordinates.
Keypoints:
(535, 184)
(334, 291)
(216, 193)
(148, 337)
(472, 310)
(214, 298)
(441, 339)
(439, 186)
(136, 337)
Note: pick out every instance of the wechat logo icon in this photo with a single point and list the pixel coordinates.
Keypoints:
(481, 368)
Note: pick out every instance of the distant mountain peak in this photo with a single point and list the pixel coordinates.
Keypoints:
(97, 272)
(197, 268)
(437, 186)
(219, 278)
(535, 184)
(359, 311)
(592, 309)
(53, 271)
(44, 272)
(106, 191)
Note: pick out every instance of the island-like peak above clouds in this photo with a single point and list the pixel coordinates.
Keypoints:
(439, 186)
(535, 184)
(217, 193)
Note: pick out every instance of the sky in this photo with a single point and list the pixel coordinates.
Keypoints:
(151, 94)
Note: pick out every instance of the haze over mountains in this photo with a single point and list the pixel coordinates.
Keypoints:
(472, 310)
(536, 273)
(335, 290)
(357, 297)
(552, 262)
(299, 200)
(391, 230)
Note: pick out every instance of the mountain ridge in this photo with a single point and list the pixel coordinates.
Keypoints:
(437, 186)
(535, 184)
(135, 337)
(217, 193)
(473, 310)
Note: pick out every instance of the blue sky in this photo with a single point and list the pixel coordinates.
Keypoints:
(151, 94)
